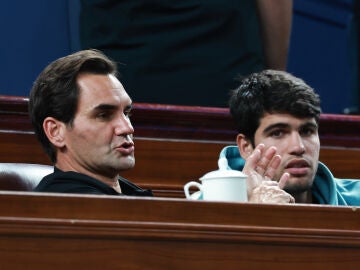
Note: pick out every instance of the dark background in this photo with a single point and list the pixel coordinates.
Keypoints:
(323, 48)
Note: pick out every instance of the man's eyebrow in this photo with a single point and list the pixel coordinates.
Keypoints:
(110, 107)
(105, 107)
(274, 126)
(284, 125)
(310, 124)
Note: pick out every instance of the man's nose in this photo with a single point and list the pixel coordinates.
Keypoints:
(297, 146)
(123, 126)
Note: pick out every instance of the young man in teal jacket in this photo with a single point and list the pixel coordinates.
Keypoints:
(277, 119)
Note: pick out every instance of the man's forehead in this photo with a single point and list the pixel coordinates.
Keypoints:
(97, 90)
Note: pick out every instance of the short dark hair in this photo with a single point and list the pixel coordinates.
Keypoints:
(271, 91)
(55, 92)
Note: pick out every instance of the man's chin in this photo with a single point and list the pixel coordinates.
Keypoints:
(297, 185)
(127, 163)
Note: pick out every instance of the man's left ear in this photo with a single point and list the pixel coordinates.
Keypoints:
(244, 145)
(54, 130)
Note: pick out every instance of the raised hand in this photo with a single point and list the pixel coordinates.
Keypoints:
(260, 167)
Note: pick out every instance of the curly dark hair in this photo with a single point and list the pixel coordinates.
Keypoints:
(271, 91)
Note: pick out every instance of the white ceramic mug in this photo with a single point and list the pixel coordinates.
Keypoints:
(220, 185)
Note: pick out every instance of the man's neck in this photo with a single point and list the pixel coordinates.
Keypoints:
(114, 184)
(110, 181)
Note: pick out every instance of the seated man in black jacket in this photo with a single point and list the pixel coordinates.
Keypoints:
(81, 115)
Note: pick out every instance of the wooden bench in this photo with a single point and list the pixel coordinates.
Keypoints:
(176, 144)
(58, 231)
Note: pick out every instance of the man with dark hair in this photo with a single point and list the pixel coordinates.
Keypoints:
(275, 111)
(81, 115)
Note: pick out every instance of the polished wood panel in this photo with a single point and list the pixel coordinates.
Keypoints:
(57, 231)
(343, 162)
(188, 122)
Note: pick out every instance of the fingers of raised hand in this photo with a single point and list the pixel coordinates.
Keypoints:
(266, 163)
(253, 159)
(272, 166)
(283, 179)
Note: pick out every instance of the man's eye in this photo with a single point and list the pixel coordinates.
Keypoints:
(103, 115)
(276, 133)
(307, 132)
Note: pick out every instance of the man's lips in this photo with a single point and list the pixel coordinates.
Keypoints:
(297, 167)
(126, 148)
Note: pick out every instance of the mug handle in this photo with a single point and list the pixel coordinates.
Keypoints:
(188, 186)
